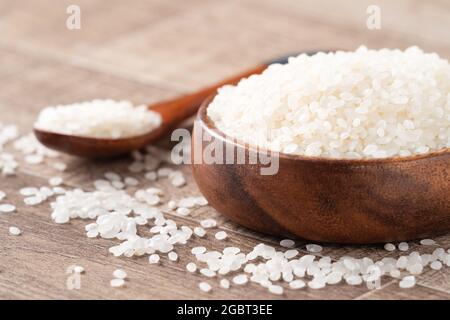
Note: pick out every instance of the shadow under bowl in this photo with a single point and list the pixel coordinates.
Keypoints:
(326, 200)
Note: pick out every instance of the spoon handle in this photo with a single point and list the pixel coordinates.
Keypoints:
(176, 110)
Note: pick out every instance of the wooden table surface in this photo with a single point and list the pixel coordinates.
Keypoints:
(146, 51)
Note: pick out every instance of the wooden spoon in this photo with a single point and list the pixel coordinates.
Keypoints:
(328, 200)
(173, 112)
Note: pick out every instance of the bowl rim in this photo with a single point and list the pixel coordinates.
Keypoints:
(209, 123)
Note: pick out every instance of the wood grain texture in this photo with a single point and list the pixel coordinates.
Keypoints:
(156, 50)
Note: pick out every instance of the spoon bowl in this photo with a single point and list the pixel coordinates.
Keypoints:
(327, 200)
(172, 112)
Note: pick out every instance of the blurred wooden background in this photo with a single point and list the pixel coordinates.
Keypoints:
(146, 51)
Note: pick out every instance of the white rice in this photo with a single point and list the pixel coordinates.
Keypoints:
(204, 286)
(7, 208)
(14, 231)
(117, 283)
(362, 104)
(99, 119)
(119, 274)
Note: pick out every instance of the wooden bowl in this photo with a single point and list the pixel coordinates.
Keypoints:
(327, 200)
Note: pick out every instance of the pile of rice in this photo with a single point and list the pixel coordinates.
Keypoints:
(362, 104)
(99, 119)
